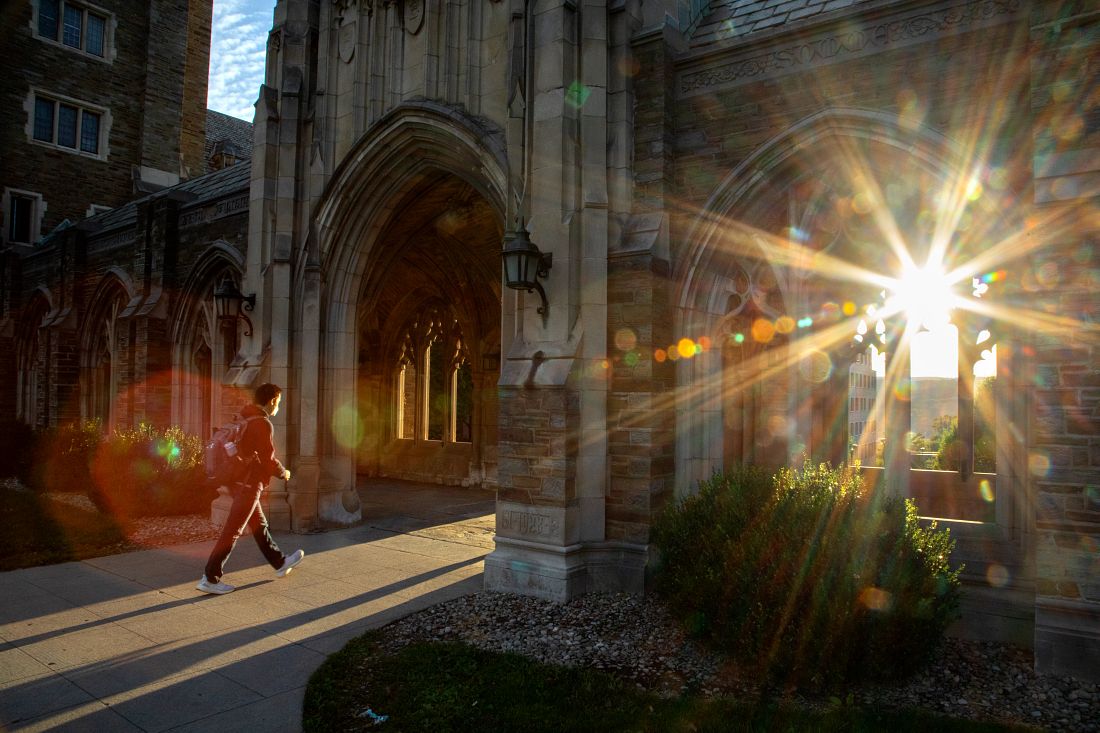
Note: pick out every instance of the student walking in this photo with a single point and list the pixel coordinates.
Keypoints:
(258, 450)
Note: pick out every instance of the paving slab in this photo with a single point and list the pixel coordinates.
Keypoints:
(126, 643)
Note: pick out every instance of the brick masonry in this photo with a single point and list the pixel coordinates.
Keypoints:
(155, 114)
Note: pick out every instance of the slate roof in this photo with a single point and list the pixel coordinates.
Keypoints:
(206, 188)
(731, 20)
(225, 131)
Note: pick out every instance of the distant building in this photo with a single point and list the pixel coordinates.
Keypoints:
(101, 102)
(862, 395)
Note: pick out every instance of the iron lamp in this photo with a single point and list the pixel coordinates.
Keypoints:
(524, 264)
(230, 304)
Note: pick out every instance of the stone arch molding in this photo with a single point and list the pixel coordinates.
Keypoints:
(702, 286)
(408, 141)
(198, 287)
(358, 204)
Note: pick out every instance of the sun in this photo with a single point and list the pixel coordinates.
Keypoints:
(924, 295)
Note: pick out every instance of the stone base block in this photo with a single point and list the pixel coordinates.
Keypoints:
(1005, 615)
(275, 507)
(1067, 637)
(562, 573)
(219, 508)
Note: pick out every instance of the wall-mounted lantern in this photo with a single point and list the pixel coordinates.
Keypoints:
(230, 304)
(524, 264)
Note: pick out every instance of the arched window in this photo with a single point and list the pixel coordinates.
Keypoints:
(433, 384)
(30, 361)
(101, 368)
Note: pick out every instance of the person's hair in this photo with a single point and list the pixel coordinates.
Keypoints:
(267, 392)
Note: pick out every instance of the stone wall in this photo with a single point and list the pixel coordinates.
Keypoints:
(1062, 283)
(136, 85)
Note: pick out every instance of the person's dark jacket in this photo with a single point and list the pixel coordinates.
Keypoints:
(257, 447)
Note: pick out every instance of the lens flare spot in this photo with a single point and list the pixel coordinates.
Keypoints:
(849, 308)
(797, 234)
(902, 390)
(830, 310)
(779, 426)
(876, 599)
(631, 359)
(685, 347)
(704, 343)
(577, 94)
(659, 356)
(673, 352)
(1038, 463)
(625, 339)
(816, 367)
(629, 66)
(348, 428)
(784, 324)
(974, 189)
(805, 322)
(997, 575)
(985, 489)
(1092, 497)
(763, 331)
(863, 202)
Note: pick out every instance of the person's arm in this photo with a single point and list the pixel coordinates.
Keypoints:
(259, 440)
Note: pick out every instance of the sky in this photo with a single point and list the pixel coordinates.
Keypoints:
(238, 44)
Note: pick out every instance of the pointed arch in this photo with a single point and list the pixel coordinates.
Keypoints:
(30, 354)
(201, 348)
(100, 357)
(745, 225)
(416, 166)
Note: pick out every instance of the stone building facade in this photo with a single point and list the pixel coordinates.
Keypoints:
(734, 195)
(107, 100)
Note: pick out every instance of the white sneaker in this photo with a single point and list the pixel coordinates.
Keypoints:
(290, 562)
(216, 588)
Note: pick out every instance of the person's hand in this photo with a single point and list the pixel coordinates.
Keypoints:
(286, 474)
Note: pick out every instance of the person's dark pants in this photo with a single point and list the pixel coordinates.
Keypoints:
(245, 513)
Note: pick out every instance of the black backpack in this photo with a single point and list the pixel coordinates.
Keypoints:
(223, 465)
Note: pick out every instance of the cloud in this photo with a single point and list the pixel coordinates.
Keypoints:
(238, 43)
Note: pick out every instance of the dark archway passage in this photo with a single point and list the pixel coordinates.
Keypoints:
(428, 335)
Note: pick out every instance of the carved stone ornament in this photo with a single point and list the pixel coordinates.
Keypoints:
(414, 16)
(346, 39)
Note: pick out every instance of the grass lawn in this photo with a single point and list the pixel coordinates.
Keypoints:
(38, 531)
(454, 687)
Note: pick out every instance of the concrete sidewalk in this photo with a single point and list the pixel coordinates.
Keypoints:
(126, 643)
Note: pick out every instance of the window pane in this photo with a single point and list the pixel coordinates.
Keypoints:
(43, 119)
(406, 417)
(94, 41)
(89, 132)
(66, 125)
(74, 19)
(47, 19)
(19, 217)
(464, 404)
(438, 394)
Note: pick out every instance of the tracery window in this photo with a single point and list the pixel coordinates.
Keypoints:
(433, 384)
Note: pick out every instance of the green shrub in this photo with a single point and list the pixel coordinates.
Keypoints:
(804, 578)
(145, 471)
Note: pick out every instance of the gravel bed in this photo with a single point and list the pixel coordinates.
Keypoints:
(636, 639)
